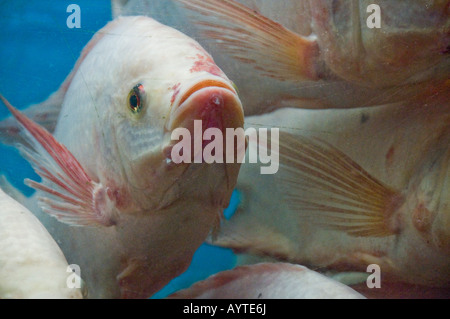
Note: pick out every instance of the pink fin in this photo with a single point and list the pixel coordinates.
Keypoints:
(253, 38)
(45, 113)
(74, 197)
(268, 281)
(327, 187)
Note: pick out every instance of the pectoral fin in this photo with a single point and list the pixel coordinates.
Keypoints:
(45, 113)
(325, 186)
(253, 38)
(74, 198)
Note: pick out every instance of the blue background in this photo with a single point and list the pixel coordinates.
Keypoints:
(37, 52)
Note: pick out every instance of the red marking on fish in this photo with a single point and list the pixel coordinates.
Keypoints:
(206, 64)
(390, 156)
(176, 89)
(119, 196)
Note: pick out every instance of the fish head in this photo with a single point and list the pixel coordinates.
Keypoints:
(383, 44)
(168, 84)
(431, 200)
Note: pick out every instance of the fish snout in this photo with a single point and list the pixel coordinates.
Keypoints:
(201, 127)
(208, 115)
(214, 103)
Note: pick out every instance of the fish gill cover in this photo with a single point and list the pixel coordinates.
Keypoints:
(38, 51)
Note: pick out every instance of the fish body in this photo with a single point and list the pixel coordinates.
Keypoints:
(318, 54)
(31, 263)
(354, 188)
(268, 281)
(127, 214)
(410, 42)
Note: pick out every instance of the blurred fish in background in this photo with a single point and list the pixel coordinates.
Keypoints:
(316, 54)
(31, 263)
(268, 281)
(354, 188)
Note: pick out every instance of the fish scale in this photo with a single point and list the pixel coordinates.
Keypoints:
(139, 140)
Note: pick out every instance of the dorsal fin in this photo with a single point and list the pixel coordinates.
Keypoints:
(253, 38)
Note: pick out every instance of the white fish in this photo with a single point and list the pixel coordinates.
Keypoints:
(354, 188)
(108, 164)
(31, 263)
(268, 281)
(322, 54)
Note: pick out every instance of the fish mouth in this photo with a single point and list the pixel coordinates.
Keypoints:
(213, 102)
(210, 104)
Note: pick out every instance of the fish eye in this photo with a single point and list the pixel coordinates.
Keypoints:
(134, 99)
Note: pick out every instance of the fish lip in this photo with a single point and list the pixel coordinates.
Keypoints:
(185, 100)
(203, 84)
